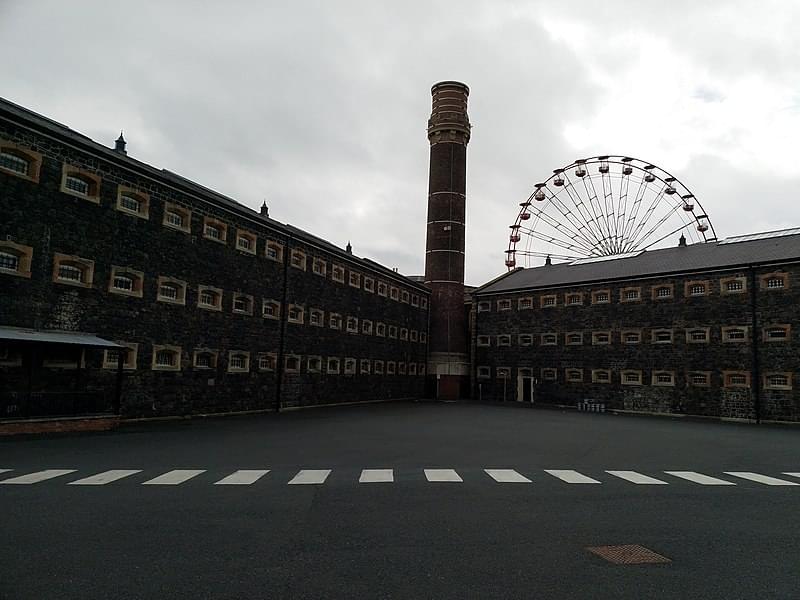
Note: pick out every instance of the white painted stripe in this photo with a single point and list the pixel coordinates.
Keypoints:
(570, 476)
(4, 470)
(699, 478)
(376, 476)
(310, 476)
(506, 476)
(793, 474)
(105, 477)
(38, 476)
(243, 477)
(637, 478)
(442, 475)
(175, 477)
(758, 478)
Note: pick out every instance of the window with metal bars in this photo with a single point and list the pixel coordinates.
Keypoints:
(9, 262)
(14, 162)
(70, 272)
(77, 185)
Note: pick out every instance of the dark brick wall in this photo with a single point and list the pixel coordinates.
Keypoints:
(679, 313)
(50, 221)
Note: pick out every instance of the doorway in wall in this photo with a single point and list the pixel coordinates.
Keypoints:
(526, 385)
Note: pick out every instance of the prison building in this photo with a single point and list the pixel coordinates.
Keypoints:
(200, 304)
(704, 329)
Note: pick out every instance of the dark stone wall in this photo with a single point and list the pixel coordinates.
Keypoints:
(679, 313)
(50, 221)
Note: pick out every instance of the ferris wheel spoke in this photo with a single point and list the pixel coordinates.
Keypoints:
(637, 201)
(575, 197)
(594, 198)
(648, 213)
(665, 236)
(654, 228)
(555, 223)
(551, 239)
(565, 211)
(596, 210)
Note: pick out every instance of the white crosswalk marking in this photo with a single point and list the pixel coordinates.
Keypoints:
(699, 478)
(310, 476)
(758, 478)
(638, 478)
(506, 476)
(442, 475)
(175, 477)
(105, 477)
(243, 477)
(570, 476)
(376, 476)
(38, 476)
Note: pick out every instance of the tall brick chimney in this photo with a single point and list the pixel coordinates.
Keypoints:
(448, 134)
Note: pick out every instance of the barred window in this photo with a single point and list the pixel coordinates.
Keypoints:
(663, 292)
(525, 339)
(319, 267)
(601, 376)
(503, 373)
(734, 286)
(382, 288)
(14, 162)
(166, 358)
(298, 260)
(504, 305)
(484, 372)
(390, 368)
(700, 378)
(174, 218)
(9, 262)
(549, 374)
(366, 327)
(314, 364)
(69, 272)
(525, 303)
(574, 299)
(349, 366)
(292, 363)
(245, 241)
(130, 202)
(123, 282)
(574, 375)
(484, 340)
(548, 301)
(355, 279)
(404, 334)
(274, 251)
(484, 306)
(380, 329)
(295, 314)
(630, 295)
(242, 303)
(734, 334)
(697, 289)
(335, 321)
(77, 184)
(238, 361)
(270, 309)
(549, 339)
(393, 331)
(777, 333)
(777, 381)
(352, 324)
(267, 362)
(209, 298)
(337, 273)
(631, 337)
(574, 338)
(504, 340)
(736, 379)
(333, 365)
(316, 317)
(600, 338)
(369, 286)
(662, 336)
(213, 231)
(631, 377)
(602, 297)
(697, 335)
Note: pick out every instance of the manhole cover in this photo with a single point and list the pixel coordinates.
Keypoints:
(631, 554)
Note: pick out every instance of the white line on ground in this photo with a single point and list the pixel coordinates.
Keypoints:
(758, 478)
(793, 474)
(506, 476)
(105, 477)
(376, 476)
(38, 476)
(638, 478)
(310, 476)
(175, 477)
(243, 477)
(570, 476)
(442, 475)
(5, 470)
(699, 478)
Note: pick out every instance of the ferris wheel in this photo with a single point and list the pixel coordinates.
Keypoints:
(602, 207)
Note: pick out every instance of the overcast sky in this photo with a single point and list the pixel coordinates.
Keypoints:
(321, 107)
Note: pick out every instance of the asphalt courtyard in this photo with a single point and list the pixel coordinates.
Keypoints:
(402, 500)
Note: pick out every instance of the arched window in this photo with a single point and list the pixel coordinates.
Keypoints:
(15, 162)
(71, 272)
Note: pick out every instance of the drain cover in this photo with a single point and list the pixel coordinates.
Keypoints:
(631, 554)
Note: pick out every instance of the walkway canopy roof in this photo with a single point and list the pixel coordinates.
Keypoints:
(54, 336)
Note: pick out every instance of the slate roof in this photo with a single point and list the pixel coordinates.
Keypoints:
(39, 122)
(774, 247)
